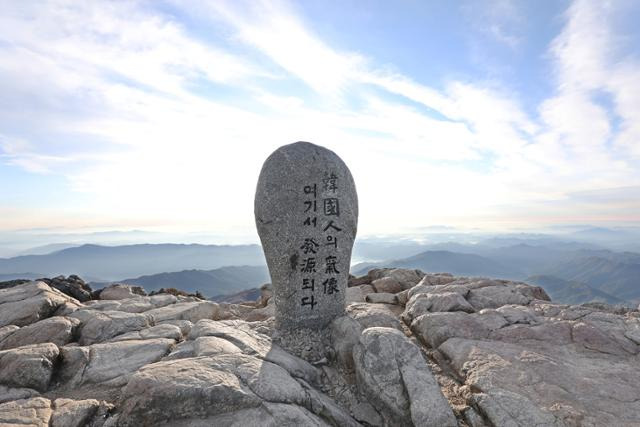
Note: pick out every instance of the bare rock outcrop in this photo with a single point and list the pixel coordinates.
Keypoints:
(412, 349)
(393, 375)
(120, 291)
(27, 303)
(30, 366)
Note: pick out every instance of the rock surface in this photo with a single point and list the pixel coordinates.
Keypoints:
(30, 366)
(58, 330)
(25, 304)
(306, 211)
(73, 286)
(394, 376)
(121, 291)
(447, 351)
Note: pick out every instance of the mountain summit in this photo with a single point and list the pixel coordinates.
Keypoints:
(413, 349)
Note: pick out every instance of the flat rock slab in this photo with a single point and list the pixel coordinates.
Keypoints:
(393, 375)
(28, 303)
(57, 330)
(30, 366)
(34, 412)
(306, 211)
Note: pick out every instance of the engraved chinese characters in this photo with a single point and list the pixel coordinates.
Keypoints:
(306, 211)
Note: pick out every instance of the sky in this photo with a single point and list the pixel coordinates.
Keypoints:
(157, 115)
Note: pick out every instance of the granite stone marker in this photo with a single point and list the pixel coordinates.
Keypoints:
(306, 211)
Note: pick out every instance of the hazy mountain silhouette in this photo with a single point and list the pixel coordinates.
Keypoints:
(615, 274)
(189, 267)
(104, 263)
(221, 281)
(451, 262)
(571, 292)
(573, 272)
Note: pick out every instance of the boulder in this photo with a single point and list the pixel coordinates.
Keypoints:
(208, 346)
(221, 386)
(74, 413)
(6, 331)
(435, 328)
(518, 314)
(35, 412)
(202, 310)
(184, 325)
(42, 412)
(550, 366)
(357, 281)
(264, 313)
(57, 330)
(632, 331)
(72, 286)
(433, 303)
(497, 296)
(406, 277)
(359, 293)
(267, 415)
(11, 393)
(159, 331)
(403, 297)
(366, 289)
(369, 315)
(437, 279)
(393, 375)
(207, 386)
(133, 305)
(511, 358)
(100, 326)
(99, 363)
(237, 332)
(366, 413)
(191, 311)
(387, 285)
(382, 298)
(354, 294)
(30, 302)
(345, 333)
(29, 366)
(589, 336)
(120, 291)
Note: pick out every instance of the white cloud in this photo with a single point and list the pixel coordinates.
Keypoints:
(21, 153)
(117, 79)
(272, 28)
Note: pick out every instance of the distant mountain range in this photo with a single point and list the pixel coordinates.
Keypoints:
(615, 274)
(572, 271)
(221, 281)
(106, 263)
(461, 264)
(571, 292)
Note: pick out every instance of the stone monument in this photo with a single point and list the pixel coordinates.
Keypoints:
(306, 210)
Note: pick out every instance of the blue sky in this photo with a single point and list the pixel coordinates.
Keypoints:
(157, 115)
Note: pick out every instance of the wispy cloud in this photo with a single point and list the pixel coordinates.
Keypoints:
(139, 110)
(500, 20)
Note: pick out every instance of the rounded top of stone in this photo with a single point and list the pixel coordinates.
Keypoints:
(303, 147)
(299, 153)
(301, 144)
